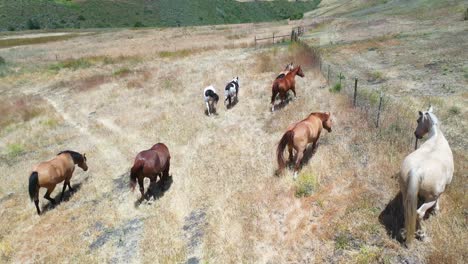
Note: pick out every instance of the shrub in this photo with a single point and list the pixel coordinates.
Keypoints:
(14, 150)
(2, 60)
(454, 110)
(122, 72)
(138, 24)
(33, 24)
(336, 88)
(306, 185)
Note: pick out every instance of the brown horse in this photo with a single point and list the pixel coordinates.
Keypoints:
(150, 163)
(299, 135)
(281, 86)
(48, 174)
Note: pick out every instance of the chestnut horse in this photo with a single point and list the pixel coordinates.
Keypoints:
(299, 135)
(48, 174)
(281, 86)
(150, 163)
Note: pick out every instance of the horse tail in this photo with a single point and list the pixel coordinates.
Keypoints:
(134, 173)
(411, 203)
(286, 139)
(33, 184)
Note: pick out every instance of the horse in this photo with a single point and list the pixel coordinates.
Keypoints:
(425, 173)
(48, 174)
(287, 69)
(283, 85)
(150, 164)
(211, 99)
(299, 135)
(231, 91)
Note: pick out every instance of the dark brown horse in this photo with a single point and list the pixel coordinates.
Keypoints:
(299, 135)
(48, 174)
(150, 163)
(281, 86)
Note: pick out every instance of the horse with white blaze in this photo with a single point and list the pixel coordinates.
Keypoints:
(211, 99)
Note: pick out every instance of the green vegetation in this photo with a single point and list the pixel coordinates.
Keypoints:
(51, 14)
(336, 88)
(14, 150)
(306, 185)
(72, 64)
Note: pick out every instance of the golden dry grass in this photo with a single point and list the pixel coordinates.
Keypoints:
(225, 205)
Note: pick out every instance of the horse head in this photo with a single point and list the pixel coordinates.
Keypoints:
(299, 71)
(425, 121)
(327, 122)
(289, 67)
(82, 164)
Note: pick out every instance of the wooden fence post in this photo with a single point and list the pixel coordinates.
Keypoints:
(355, 91)
(328, 75)
(273, 37)
(255, 41)
(380, 108)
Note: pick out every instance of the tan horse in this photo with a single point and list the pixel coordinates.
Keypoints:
(48, 174)
(299, 135)
(425, 173)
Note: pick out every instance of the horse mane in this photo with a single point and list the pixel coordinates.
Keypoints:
(322, 115)
(434, 120)
(77, 157)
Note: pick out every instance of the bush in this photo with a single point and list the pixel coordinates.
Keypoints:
(297, 16)
(14, 150)
(138, 24)
(2, 60)
(336, 88)
(33, 24)
(306, 185)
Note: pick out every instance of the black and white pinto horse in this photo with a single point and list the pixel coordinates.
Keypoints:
(231, 91)
(287, 69)
(211, 99)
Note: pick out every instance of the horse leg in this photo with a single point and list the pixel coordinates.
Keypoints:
(291, 156)
(300, 155)
(422, 210)
(69, 187)
(47, 195)
(142, 187)
(293, 88)
(36, 202)
(420, 233)
(63, 190)
(437, 207)
(165, 176)
(273, 97)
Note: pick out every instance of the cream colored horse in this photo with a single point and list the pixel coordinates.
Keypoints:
(425, 173)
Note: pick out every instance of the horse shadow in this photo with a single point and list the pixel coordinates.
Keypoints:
(284, 103)
(58, 197)
(308, 154)
(393, 216)
(156, 190)
(233, 103)
(215, 112)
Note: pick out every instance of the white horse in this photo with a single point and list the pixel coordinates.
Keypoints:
(211, 99)
(425, 173)
(231, 91)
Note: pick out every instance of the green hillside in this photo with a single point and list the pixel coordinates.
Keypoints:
(51, 14)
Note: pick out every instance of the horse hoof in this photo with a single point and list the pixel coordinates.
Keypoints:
(421, 235)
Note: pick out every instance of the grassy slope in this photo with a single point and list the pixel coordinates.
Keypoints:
(97, 13)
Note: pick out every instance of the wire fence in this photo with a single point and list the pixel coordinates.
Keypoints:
(384, 112)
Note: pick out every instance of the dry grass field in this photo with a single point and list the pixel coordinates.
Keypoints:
(113, 93)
